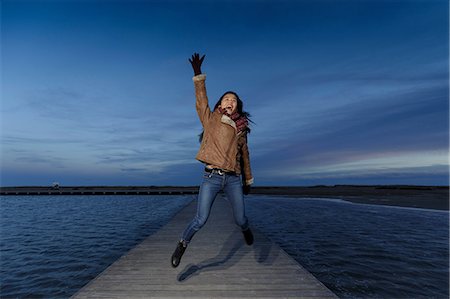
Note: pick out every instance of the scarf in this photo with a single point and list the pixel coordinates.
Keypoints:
(240, 120)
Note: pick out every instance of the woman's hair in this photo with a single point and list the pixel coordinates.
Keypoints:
(240, 110)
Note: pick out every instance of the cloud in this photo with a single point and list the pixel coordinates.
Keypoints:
(76, 122)
(28, 158)
(413, 122)
(437, 175)
(112, 96)
(50, 160)
(399, 162)
(26, 140)
(59, 103)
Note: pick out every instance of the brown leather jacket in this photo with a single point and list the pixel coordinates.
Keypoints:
(221, 145)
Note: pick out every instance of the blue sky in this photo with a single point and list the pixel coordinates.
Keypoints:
(341, 92)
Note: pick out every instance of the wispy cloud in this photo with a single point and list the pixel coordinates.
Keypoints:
(340, 139)
(334, 94)
(427, 162)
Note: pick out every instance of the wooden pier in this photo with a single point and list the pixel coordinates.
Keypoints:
(217, 264)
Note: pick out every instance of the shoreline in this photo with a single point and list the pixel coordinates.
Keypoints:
(427, 197)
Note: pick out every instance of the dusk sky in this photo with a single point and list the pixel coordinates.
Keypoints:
(340, 92)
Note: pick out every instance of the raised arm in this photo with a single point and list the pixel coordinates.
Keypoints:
(201, 103)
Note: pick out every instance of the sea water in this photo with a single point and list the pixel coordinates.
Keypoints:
(51, 246)
(360, 250)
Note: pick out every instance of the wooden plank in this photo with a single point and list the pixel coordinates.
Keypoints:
(217, 264)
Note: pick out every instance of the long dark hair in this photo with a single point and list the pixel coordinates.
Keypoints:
(240, 110)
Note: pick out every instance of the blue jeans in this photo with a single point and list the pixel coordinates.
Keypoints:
(211, 185)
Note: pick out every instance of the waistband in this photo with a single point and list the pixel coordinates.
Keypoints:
(219, 171)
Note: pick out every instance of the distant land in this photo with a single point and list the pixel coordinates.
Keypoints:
(427, 197)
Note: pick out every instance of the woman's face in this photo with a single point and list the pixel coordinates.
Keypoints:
(229, 103)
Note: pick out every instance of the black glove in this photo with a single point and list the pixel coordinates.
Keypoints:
(196, 63)
(246, 189)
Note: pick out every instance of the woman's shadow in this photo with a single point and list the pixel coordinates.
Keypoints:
(230, 254)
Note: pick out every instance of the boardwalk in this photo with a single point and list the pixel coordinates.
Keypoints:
(216, 264)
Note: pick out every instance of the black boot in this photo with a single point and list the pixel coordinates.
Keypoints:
(178, 253)
(248, 236)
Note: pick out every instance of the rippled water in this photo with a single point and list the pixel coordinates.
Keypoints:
(53, 245)
(361, 251)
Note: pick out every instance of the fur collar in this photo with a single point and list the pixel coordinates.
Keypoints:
(227, 120)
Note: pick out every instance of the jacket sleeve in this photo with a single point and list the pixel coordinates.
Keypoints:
(201, 103)
(245, 164)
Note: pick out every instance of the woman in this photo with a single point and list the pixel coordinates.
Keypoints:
(225, 153)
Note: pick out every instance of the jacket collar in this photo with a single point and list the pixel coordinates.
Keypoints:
(227, 120)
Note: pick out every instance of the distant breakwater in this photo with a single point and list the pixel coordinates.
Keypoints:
(310, 191)
(427, 197)
(100, 190)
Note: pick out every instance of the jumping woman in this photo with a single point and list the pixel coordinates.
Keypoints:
(225, 154)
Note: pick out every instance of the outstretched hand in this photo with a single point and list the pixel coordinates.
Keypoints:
(196, 63)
